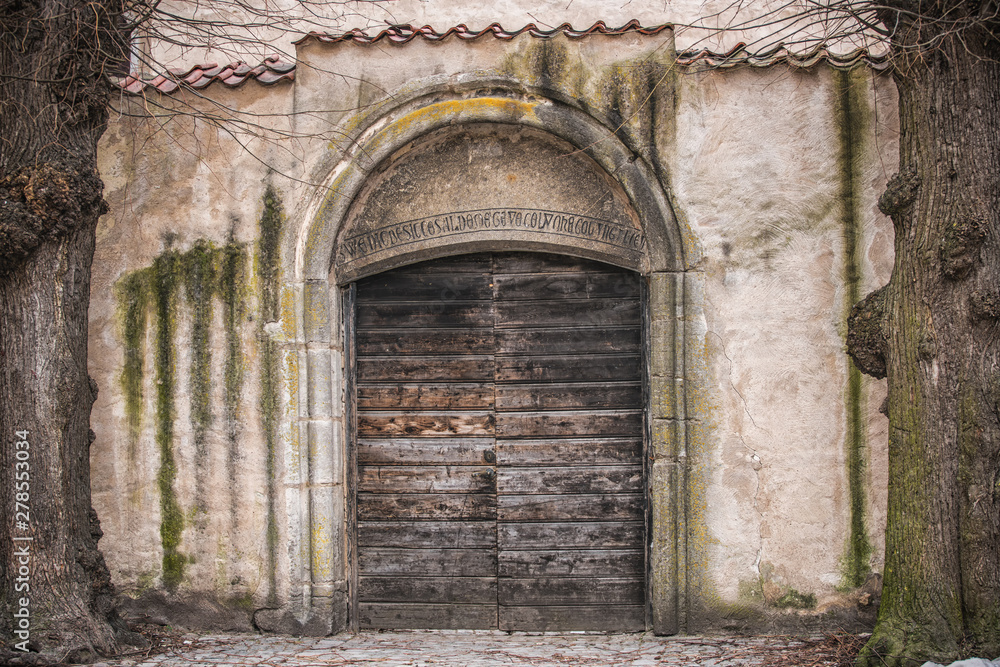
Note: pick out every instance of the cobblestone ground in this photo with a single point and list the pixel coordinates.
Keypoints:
(475, 649)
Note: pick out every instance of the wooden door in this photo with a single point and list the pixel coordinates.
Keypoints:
(499, 445)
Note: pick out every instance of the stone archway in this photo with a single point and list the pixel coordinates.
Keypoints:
(384, 209)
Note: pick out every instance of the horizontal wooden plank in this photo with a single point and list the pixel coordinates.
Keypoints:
(582, 563)
(535, 262)
(453, 451)
(606, 395)
(569, 313)
(397, 616)
(566, 285)
(415, 424)
(445, 396)
(587, 338)
(427, 534)
(569, 451)
(450, 589)
(622, 506)
(428, 342)
(595, 618)
(576, 479)
(427, 562)
(427, 286)
(410, 369)
(425, 479)
(430, 506)
(584, 423)
(569, 368)
(470, 263)
(438, 315)
(571, 590)
(575, 535)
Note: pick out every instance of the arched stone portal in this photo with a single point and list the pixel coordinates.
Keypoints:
(451, 174)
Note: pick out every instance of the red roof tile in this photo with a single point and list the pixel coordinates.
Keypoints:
(740, 56)
(273, 69)
(401, 34)
(269, 72)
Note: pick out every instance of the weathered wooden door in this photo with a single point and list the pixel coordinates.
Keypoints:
(499, 476)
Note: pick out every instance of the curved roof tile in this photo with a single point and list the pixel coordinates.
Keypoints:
(401, 34)
(233, 75)
(740, 56)
(273, 69)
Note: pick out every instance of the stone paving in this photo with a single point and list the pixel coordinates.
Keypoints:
(466, 648)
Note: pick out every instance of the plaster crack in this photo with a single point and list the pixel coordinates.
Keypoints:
(732, 384)
(755, 461)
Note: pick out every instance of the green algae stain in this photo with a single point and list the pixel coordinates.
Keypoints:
(231, 281)
(268, 274)
(850, 110)
(150, 297)
(133, 294)
(163, 283)
(199, 282)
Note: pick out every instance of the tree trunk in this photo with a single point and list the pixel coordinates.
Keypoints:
(941, 597)
(54, 55)
(45, 400)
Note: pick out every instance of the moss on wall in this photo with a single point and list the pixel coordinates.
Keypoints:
(851, 118)
(151, 296)
(133, 304)
(268, 276)
(163, 284)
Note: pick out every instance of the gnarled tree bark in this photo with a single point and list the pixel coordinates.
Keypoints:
(54, 97)
(941, 596)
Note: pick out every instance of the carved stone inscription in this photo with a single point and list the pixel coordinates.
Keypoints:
(551, 227)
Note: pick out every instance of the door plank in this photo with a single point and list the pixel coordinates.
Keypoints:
(452, 396)
(605, 395)
(428, 562)
(411, 369)
(577, 479)
(397, 616)
(430, 506)
(569, 451)
(568, 368)
(590, 423)
(571, 590)
(426, 451)
(547, 313)
(430, 286)
(569, 508)
(451, 589)
(463, 314)
(566, 285)
(428, 534)
(596, 618)
(576, 535)
(425, 342)
(586, 338)
(425, 479)
(580, 563)
(528, 262)
(381, 425)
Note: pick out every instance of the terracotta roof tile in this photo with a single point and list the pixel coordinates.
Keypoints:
(740, 56)
(269, 72)
(401, 34)
(273, 69)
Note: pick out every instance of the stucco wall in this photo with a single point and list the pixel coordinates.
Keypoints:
(772, 175)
